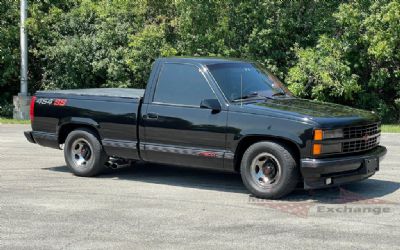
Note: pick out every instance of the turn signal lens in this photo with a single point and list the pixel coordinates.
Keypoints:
(318, 134)
(317, 149)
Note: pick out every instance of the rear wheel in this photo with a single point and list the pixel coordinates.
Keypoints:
(84, 153)
(269, 170)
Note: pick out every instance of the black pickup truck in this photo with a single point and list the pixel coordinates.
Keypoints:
(211, 113)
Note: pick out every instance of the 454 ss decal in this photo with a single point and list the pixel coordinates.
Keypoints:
(51, 101)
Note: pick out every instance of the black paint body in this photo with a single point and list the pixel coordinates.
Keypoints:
(132, 126)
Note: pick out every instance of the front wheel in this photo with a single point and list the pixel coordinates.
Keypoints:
(269, 170)
(84, 153)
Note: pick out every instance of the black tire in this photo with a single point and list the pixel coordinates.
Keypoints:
(84, 163)
(274, 154)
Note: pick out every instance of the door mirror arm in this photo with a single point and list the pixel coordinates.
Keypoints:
(212, 104)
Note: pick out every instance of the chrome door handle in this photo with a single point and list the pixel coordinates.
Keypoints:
(152, 116)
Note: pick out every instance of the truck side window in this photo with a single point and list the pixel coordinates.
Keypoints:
(182, 84)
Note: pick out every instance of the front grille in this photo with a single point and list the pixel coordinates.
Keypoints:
(360, 131)
(360, 145)
(362, 138)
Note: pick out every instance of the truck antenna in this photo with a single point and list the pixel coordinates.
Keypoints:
(241, 90)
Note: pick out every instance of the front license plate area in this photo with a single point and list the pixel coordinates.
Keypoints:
(370, 166)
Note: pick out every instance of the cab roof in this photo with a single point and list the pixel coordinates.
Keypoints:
(202, 60)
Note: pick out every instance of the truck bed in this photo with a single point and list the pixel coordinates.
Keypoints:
(97, 92)
(112, 113)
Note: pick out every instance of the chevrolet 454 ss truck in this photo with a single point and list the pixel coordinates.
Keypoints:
(211, 113)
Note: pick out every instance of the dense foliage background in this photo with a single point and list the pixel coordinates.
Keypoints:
(339, 51)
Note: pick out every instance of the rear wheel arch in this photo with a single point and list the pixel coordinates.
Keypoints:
(66, 129)
(246, 142)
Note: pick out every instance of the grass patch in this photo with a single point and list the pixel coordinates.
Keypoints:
(391, 128)
(13, 121)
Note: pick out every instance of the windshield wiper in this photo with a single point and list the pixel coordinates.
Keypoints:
(279, 94)
(253, 95)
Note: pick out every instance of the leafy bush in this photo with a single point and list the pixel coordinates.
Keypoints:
(343, 52)
(9, 53)
(6, 109)
(358, 63)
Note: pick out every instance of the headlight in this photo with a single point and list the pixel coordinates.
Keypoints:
(320, 134)
(327, 148)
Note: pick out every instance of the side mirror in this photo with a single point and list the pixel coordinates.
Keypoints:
(212, 104)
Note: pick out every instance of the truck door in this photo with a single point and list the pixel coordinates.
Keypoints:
(176, 130)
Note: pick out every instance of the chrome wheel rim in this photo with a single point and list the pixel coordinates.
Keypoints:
(265, 170)
(81, 153)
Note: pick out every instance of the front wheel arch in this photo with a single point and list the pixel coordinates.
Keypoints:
(246, 142)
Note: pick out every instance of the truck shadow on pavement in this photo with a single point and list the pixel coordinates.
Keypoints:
(231, 182)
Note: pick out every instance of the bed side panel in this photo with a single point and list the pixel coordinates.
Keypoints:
(115, 119)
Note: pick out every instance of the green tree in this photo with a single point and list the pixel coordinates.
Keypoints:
(145, 47)
(84, 44)
(340, 51)
(357, 64)
(9, 54)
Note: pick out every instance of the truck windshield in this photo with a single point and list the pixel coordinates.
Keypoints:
(241, 81)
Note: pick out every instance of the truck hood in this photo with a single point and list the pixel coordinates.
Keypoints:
(326, 114)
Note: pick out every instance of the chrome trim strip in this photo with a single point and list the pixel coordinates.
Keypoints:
(340, 140)
(119, 143)
(229, 155)
(201, 152)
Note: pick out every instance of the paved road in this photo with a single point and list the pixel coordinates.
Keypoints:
(43, 206)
